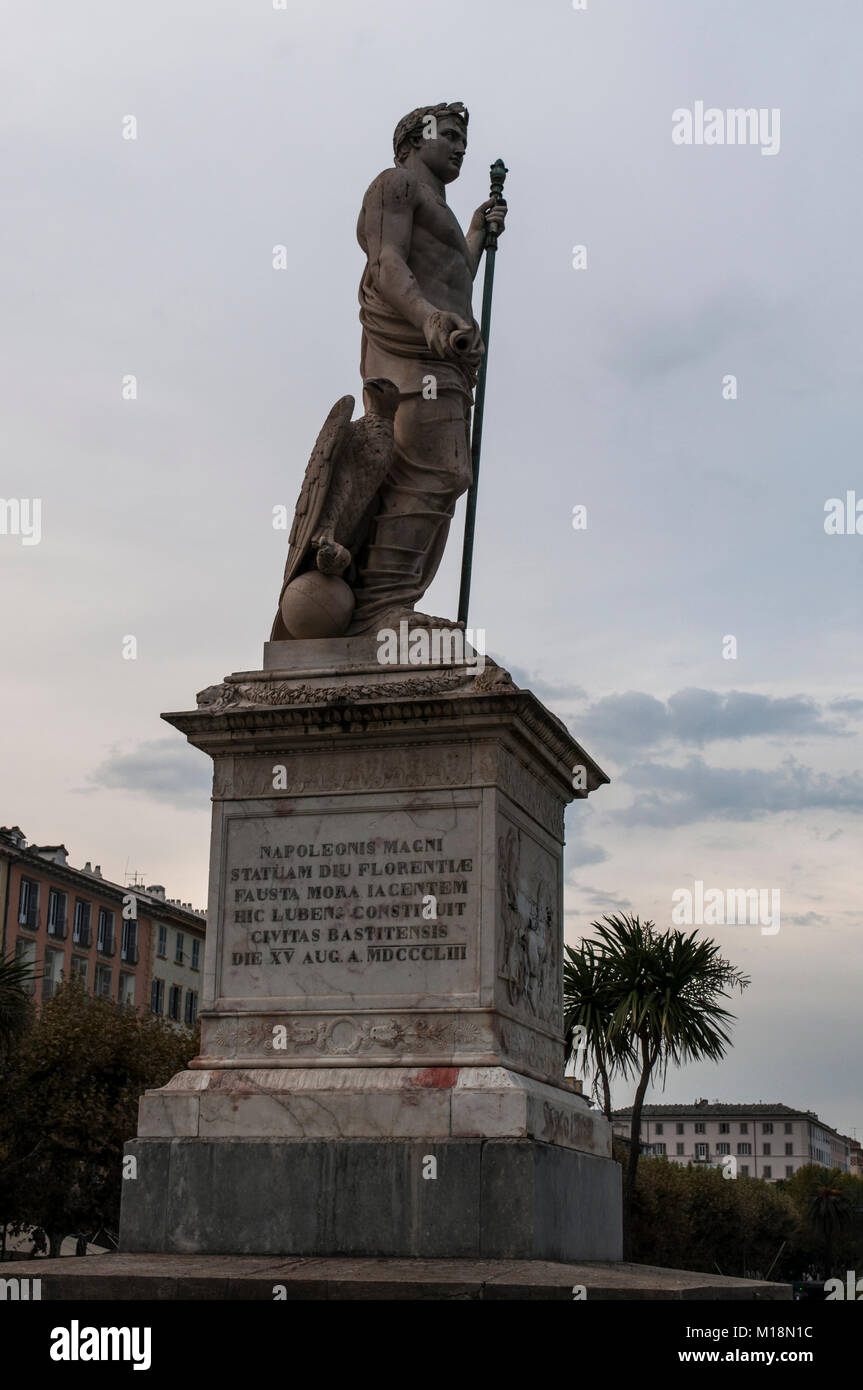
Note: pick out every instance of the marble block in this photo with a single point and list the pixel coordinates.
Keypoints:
(386, 865)
(371, 1103)
(384, 946)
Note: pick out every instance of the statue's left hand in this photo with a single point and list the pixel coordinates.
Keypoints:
(491, 213)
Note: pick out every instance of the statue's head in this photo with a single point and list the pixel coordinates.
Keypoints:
(435, 136)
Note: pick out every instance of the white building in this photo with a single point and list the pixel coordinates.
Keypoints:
(767, 1140)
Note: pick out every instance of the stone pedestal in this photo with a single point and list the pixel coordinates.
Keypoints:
(381, 1068)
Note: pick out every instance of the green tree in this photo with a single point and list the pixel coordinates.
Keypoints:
(68, 1103)
(692, 1217)
(16, 1005)
(660, 1000)
(589, 1002)
(829, 1209)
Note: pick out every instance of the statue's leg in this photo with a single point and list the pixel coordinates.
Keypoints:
(431, 469)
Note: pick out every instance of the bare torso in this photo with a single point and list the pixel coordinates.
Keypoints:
(405, 220)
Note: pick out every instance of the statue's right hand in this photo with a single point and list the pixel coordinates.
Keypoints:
(437, 329)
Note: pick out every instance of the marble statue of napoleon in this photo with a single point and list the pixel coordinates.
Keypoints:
(415, 309)
(419, 334)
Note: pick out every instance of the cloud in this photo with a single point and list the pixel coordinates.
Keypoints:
(544, 690)
(581, 852)
(164, 769)
(805, 919)
(847, 706)
(605, 902)
(677, 340)
(693, 716)
(672, 796)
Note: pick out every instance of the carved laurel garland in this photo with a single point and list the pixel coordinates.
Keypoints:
(231, 694)
(345, 1036)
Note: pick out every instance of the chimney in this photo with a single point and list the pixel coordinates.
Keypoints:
(156, 890)
(87, 869)
(97, 872)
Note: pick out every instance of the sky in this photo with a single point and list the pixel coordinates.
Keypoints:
(737, 764)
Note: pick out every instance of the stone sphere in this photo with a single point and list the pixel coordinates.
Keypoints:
(317, 605)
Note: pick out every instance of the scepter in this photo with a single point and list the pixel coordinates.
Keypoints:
(498, 173)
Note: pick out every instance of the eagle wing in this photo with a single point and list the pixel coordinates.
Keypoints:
(313, 494)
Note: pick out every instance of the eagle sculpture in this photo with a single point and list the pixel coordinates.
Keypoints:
(338, 500)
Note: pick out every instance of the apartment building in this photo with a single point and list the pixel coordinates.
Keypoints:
(69, 922)
(177, 960)
(768, 1140)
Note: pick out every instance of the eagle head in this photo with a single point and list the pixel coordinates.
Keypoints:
(380, 397)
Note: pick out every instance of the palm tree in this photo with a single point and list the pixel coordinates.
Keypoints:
(828, 1209)
(588, 1004)
(15, 1005)
(659, 1002)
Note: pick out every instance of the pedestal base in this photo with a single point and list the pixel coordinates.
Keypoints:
(479, 1198)
(381, 1065)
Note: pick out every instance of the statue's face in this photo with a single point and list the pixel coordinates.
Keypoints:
(444, 155)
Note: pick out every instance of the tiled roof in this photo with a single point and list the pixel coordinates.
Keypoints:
(719, 1108)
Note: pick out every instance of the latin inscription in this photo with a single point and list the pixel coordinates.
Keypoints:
(321, 909)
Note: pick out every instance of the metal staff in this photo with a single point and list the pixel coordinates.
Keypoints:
(498, 173)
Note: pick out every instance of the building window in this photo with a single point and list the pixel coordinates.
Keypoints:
(126, 992)
(196, 962)
(174, 994)
(28, 904)
(744, 1170)
(700, 1150)
(723, 1148)
(129, 943)
(767, 1127)
(679, 1129)
(53, 973)
(81, 929)
(660, 1129)
(700, 1129)
(768, 1171)
(789, 1170)
(724, 1127)
(744, 1127)
(102, 982)
(105, 934)
(744, 1148)
(157, 996)
(679, 1150)
(178, 949)
(56, 913)
(659, 1150)
(78, 969)
(789, 1149)
(788, 1129)
(25, 954)
(162, 948)
(192, 1014)
(766, 1148)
